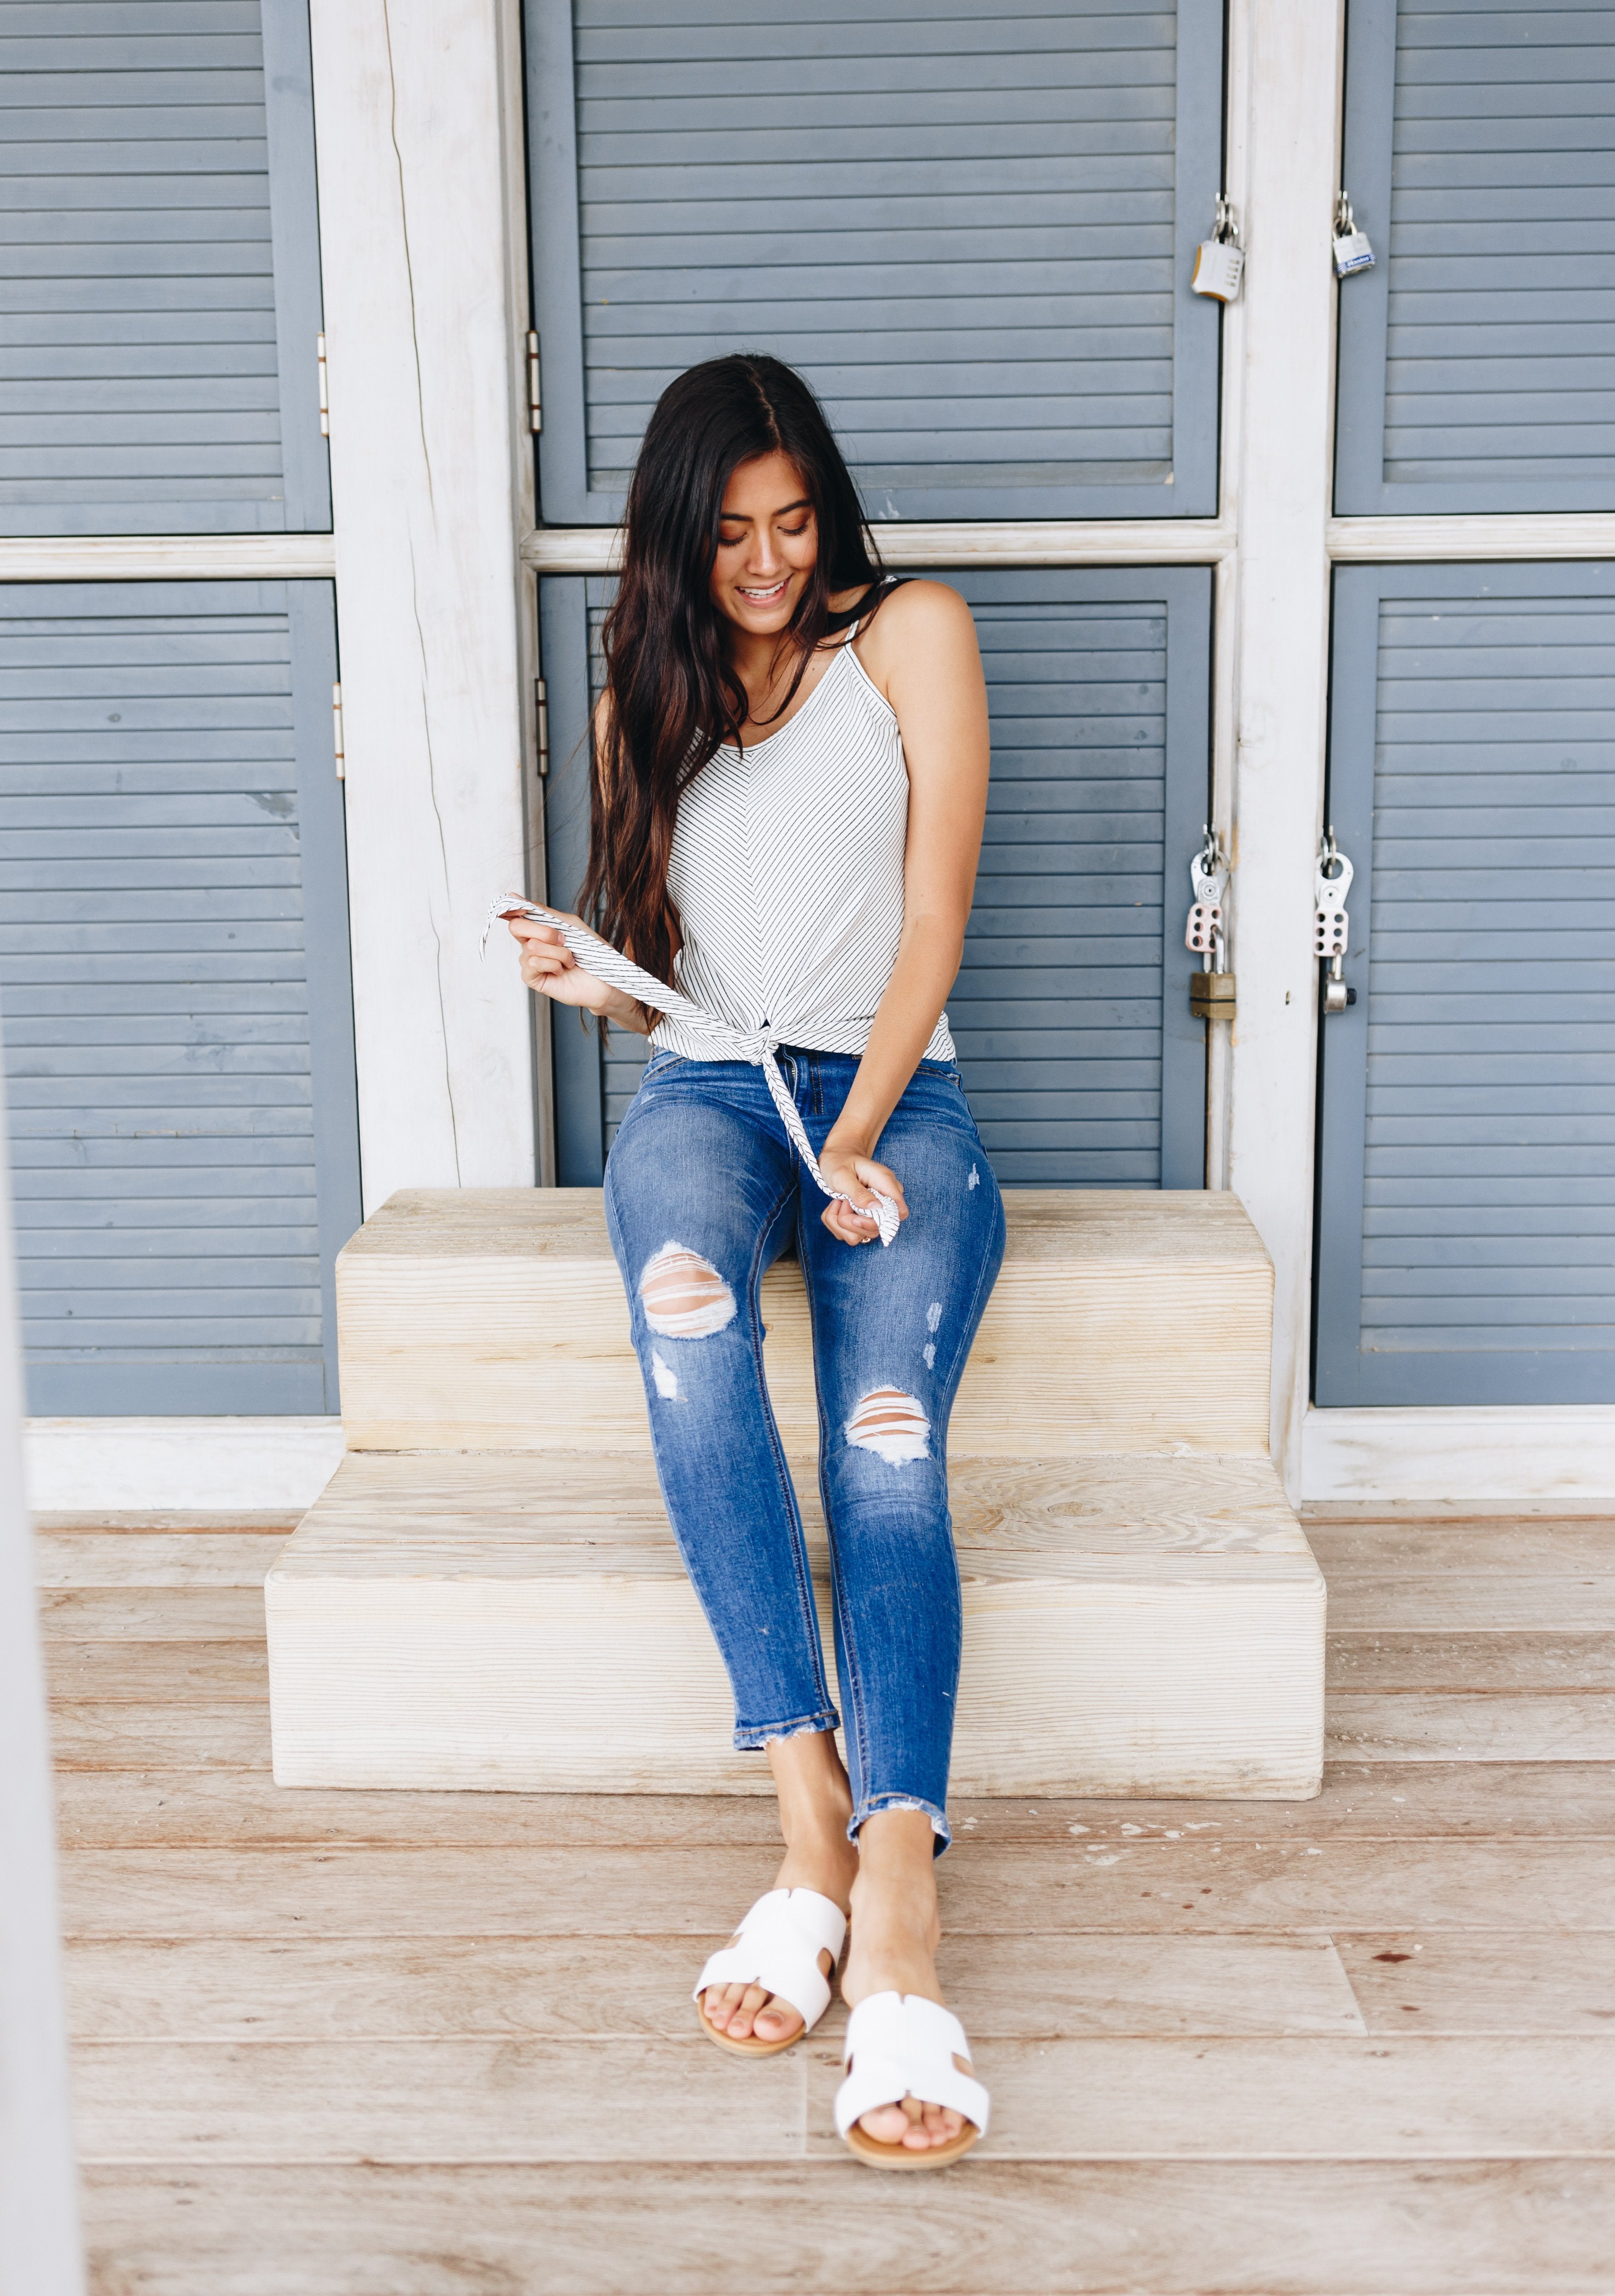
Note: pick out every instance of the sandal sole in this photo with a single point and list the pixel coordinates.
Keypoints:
(746, 2049)
(901, 2156)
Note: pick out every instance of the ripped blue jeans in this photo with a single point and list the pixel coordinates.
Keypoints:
(702, 1193)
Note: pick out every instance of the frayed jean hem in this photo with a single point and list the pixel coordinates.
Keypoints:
(753, 1738)
(873, 1805)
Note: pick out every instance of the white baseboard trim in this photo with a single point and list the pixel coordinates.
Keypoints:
(1488, 1459)
(131, 1467)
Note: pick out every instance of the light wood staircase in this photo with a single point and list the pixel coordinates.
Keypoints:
(487, 1595)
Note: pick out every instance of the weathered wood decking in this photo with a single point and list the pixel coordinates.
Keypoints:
(399, 2044)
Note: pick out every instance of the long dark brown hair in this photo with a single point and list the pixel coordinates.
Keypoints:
(675, 694)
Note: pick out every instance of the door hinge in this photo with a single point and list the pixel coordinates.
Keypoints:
(541, 710)
(336, 732)
(319, 353)
(535, 396)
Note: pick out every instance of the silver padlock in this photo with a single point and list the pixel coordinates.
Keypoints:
(1219, 261)
(1352, 251)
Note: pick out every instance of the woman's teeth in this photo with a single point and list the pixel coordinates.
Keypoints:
(765, 597)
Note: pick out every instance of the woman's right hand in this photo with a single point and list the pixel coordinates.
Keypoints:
(549, 967)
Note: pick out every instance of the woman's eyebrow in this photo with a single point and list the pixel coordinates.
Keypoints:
(744, 516)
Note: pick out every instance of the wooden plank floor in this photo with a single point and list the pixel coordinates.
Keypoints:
(395, 2044)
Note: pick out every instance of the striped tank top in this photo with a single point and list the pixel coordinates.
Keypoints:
(787, 871)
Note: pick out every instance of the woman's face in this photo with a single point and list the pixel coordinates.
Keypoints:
(767, 542)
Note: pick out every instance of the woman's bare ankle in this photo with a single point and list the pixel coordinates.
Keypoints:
(895, 1926)
(815, 1808)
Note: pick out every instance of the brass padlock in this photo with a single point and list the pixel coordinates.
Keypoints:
(1211, 995)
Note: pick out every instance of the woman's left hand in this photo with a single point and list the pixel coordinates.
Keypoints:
(862, 1179)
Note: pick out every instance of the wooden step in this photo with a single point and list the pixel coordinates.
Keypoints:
(1143, 1626)
(493, 1319)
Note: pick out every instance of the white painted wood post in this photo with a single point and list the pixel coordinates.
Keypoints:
(39, 2247)
(1282, 653)
(414, 129)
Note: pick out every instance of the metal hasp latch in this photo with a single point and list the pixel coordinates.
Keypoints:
(1211, 989)
(1330, 924)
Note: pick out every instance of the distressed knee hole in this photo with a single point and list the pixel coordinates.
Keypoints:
(892, 1424)
(684, 1295)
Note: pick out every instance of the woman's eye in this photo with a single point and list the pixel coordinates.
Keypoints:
(794, 530)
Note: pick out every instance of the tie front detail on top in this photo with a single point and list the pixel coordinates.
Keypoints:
(717, 1040)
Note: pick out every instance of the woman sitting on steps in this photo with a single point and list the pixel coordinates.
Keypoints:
(788, 789)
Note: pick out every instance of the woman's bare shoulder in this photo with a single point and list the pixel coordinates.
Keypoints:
(919, 622)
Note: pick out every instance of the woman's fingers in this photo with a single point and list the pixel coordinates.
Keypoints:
(545, 956)
(536, 939)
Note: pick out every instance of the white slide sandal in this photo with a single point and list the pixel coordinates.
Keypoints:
(777, 1946)
(900, 2044)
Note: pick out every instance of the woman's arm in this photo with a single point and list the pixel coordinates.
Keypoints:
(921, 651)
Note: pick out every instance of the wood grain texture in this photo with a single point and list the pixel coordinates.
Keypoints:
(127, 1734)
(1450, 1601)
(447, 2099)
(469, 2100)
(1437, 2228)
(506, 1621)
(1502, 1981)
(167, 1614)
(1111, 1884)
(167, 558)
(389, 1989)
(167, 1673)
(1502, 1661)
(213, 1521)
(501, 1513)
(1092, 1340)
(109, 1808)
(1503, 2097)
(1509, 1547)
(83, 1559)
(1420, 1727)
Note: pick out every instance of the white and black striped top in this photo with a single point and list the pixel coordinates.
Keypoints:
(787, 871)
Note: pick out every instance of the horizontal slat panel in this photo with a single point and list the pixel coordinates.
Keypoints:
(970, 238)
(141, 388)
(152, 963)
(1475, 371)
(1486, 1100)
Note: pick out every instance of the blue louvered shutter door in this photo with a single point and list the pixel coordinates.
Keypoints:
(1070, 1012)
(1475, 367)
(972, 227)
(1467, 1173)
(159, 275)
(175, 993)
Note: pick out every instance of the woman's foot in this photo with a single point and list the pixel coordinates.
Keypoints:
(815, 1803)
(895, 1930)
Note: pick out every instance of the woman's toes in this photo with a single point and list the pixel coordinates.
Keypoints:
(742, 2025)
(889, 2124)
(776, 2020)
(722, 2001)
